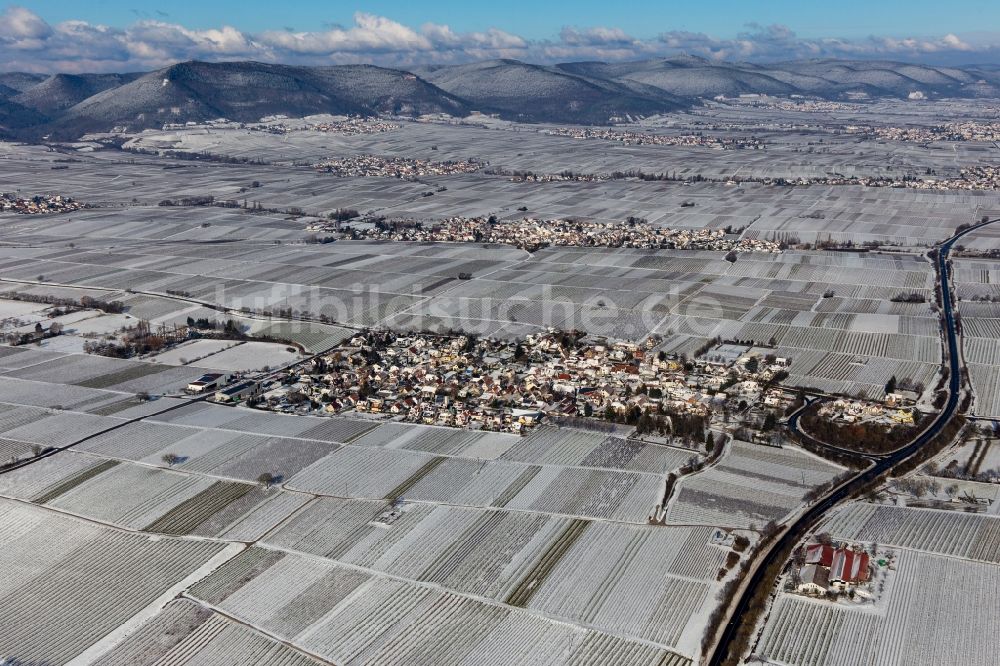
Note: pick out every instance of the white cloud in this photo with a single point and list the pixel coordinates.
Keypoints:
(778, 42)
(370, 34)
(442, 36)
(28, 42)
(598, 36)
(952, 41)
(18, 24)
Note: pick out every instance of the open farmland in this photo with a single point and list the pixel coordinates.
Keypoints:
(229, 355)
(932, 567)
(613, 478)
(85, 580)
(513, 147)
(184, 630)
(852, 341)
(749, 486)
(95, 372)
(346, 615)
(557, 566)
(152, 499)
(977, 283)
(969, 536)
(385, 473)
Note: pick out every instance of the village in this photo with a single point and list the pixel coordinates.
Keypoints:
(342, 125)
(795, 103)
(957, 131)
(973, 179)
(465, 381)
(532, 234)
(36, 205)
(375, 166)
(355, 125)
(630, 138)
(281, 124)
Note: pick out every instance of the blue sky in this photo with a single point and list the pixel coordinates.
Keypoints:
(125, 35)
(541, 20)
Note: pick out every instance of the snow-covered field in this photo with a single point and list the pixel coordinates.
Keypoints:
(191, 351)
(722, 495)
(151, 498)
(363, 615)
(253, 356)
(19, 309)
(368, 541)
(229, 355)
(967, 535)
(79, 580)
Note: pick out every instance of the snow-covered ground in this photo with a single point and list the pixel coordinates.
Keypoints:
(253, 356)
(19, 309)
(191, 351)
(229, 354)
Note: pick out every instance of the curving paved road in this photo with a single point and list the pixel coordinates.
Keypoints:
(793, 532)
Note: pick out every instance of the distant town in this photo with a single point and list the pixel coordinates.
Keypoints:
(37, 205)
(634, 138)
(532, 234)
(957, 131)
(374, 166)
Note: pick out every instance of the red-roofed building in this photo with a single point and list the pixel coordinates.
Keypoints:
(821, 554)
(836, 569)
(849, 567)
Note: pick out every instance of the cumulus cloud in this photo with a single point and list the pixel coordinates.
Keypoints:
(370, 34)
(18, 24)
(598, 36)
(778, 42)
(28, 42)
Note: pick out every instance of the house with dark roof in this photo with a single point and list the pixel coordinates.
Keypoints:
(814, 580)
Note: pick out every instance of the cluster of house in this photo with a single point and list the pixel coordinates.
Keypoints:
(532, 234)
(344, 125)
(894, 411)
(827, 569)
(972, 178)
(215, 123)
(801, 105)
(530, 177)
(376, 166)
(508, 386)
(630, 138)
(356, 125)
(54, 203)
(968, 130)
